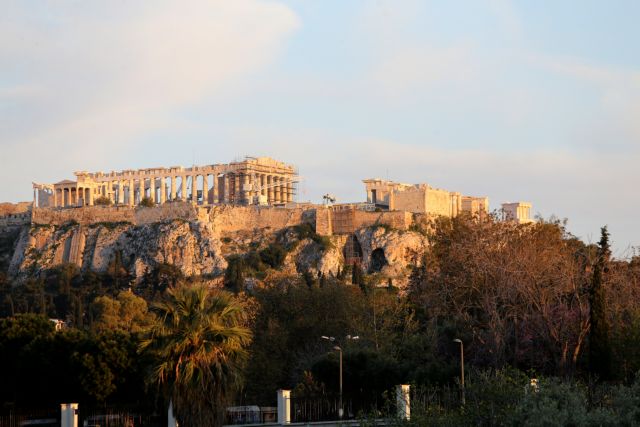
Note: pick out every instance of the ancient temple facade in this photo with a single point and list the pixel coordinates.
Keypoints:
(254, 180)
(422, 198)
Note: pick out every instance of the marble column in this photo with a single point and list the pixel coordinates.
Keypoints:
(162, 190)
(141, 194)
(270, 198)
(263, 182)
(152, 188)
(90, 194)
(194, 189)
(173, 187)
(283, 196)
(132, 193)
(276, 189)
(289, 187)
(214, 189)
(119, 198)
(55, 198)
(225, 188)
(246, 193)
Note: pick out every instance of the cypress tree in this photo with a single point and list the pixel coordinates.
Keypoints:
(599, 349)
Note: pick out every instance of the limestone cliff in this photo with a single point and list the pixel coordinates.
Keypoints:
(198, 247)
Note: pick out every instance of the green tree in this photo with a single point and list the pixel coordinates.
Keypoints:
(198, 342)
(126, 312)
(599, 349)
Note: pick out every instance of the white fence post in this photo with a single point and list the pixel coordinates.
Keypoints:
(171, 419)
(69, 415)
(284, 407)
(403, 401)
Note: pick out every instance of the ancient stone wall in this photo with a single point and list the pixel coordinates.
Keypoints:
(438, 202)
(15, 219)
(349, 220)
(412, 200)
(228, 219)
(84, 216)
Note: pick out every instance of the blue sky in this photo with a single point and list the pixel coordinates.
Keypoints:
(534, 101)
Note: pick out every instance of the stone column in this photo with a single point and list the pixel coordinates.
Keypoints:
(152, 188)
(246, 193)
(289, 192)
(141, 189)
(270, 192)
(162, 190)
(55, 197)
(183, 188)
(132, 193)
(283, 196)
(173, 187)
(120, 193)
(90, 191)
(225, 188)
(194, 189)
(214, 188)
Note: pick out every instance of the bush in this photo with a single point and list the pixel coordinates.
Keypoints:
(147, 203)
(102, 201)
(273, 255)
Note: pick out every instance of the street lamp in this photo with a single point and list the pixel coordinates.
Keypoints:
(458, 340)
(339, 349)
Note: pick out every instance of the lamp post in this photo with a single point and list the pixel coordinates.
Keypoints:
(461, 368)
(339, 349)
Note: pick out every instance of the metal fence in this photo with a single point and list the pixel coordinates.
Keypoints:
(43, 417)
(327, 408)
(88, 416)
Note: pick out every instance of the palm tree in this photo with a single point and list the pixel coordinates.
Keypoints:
(198, 342)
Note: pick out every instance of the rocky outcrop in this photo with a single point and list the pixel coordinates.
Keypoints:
(198, 247)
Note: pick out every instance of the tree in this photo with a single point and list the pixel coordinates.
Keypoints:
(599, 349)
(198, 342)
(127, 312)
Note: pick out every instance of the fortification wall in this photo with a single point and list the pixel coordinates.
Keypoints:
(412, 200)
(84, 216)
(228, 219)
(349, 220)
(223, 218)
(15, 219)
(438, 202)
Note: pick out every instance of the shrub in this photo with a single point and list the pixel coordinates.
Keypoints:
(273, 255)
(147, 203)
(102, 201)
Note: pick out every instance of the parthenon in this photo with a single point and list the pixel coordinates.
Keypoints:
(254, 180)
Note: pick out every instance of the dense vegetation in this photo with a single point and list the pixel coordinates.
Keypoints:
(526, 300)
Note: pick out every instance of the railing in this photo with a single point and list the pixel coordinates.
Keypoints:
(327, 408)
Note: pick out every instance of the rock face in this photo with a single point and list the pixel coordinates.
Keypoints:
(197, 248)
(188, 245)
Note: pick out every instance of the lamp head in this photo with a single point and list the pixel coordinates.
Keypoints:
(458, 340)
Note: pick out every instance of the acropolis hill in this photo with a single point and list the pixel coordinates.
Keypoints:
(195, 217)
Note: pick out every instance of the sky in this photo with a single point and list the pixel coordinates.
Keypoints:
(514, 100)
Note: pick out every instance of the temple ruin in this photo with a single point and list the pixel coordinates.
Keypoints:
(422, 198)
(254, 180)
(519, 212)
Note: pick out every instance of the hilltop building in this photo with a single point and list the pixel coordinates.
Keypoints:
(519, 212)
(260, 180)
(422, 198)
